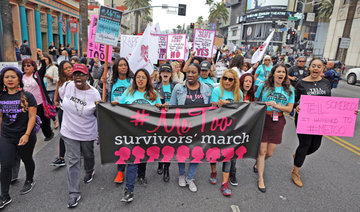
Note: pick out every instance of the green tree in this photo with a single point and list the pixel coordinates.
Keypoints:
(325, 10)
(136, 4)
(200, 20)
(8, 32)
(218, 12)
(84, 25)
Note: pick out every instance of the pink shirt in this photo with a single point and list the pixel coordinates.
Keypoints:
(30, 85)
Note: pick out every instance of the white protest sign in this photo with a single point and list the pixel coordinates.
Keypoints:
(162, 46)
(6, 64)
(257, 56)
(128, 44)
(203, 42)
(176, 47)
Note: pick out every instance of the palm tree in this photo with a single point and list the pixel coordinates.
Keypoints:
(178, 28)
(84, 24)
(218, 12)
(8, 33)
(136, 4)
(325, 10)
(200, 20)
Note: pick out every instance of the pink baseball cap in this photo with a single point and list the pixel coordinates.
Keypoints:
(80, 67)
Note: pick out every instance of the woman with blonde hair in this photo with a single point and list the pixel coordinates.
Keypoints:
(228, 92)
(178, 75)
(263, 71)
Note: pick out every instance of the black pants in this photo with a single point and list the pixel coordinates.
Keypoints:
(142, 170)
(61, 141)
(8, 150)
(233, 167)
(45, 125)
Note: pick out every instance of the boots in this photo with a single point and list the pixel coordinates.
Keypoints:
(296, 178)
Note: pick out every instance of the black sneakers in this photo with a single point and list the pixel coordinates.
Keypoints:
(233, 181)
(58, 162)
(4, 201)
(73, 201)
(128, 196)
(142, 181)
(89, 177)
(50, 137)
(28, 186)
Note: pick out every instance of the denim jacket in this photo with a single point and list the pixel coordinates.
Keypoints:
(178, 96)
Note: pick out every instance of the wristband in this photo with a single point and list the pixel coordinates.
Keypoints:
(27, 134)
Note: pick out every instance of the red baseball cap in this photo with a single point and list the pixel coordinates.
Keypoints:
(80, 67)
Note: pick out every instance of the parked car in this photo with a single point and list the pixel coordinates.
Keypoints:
(353, 76)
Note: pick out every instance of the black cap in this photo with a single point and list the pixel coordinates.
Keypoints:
(205, 65)
(165, 67)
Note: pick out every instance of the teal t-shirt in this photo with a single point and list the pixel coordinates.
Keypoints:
(118, 88)
(279, 95)
(137, 98)
(261, 73)
(208, 81)
(167, 92)
(228, 95)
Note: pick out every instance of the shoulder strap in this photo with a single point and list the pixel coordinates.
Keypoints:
(41, 91)
(265, 74)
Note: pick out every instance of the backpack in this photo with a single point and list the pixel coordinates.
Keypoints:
(23, 50)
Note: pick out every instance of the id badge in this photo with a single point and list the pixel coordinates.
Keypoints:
(275, 116)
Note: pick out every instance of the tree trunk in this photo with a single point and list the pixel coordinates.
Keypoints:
(84, 25)
(136, 22)
(8, 32)
(348, 25)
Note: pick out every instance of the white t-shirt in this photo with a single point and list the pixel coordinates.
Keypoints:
(79, 122)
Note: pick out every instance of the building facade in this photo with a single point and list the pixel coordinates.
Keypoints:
(41, 22)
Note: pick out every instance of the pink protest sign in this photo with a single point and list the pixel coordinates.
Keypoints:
(162, 45)
(204, 42)
(322, 115)
(176, 47)
(96, 49)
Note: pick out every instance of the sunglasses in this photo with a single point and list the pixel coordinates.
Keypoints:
(301, 61)
(79, 74)
(27, 65)
(229, 79)
(267, 60)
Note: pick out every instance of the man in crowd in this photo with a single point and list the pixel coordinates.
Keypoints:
(25, 50)
(52, 51)
(298, 71)
(332, 75)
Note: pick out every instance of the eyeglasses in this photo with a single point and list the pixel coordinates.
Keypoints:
(79, 74)
(27, 65)
(267, 60)
(229, 79)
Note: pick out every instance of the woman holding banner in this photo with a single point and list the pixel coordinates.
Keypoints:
(227, 92)
(79, 129)
(247, 86)
(121, 80)
(263, 71)
(191, 92)
(279, 97)
(141, 91)
(314, 85)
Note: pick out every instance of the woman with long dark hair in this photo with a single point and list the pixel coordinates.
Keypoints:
(247, 86)
(279, 97)
(18, 116)
(65, 74)
(34, 83)
(141, 91)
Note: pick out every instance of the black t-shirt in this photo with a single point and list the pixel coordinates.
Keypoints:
(14, 120)
(194, 97)
(319, 88)
(299, 73)
(52, 50)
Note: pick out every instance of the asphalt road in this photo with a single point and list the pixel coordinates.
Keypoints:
(330, 177)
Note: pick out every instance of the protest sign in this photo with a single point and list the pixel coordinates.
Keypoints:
(162, 46)
(322, 115)
(202, 134)
(203, 42)
(128, 44)
(72, 25)
(108, 26)
(176, 46)
(257, 56)
(218, 42)
(96, 49)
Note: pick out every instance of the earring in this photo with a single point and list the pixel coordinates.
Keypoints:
(4, 88)
(19, 88)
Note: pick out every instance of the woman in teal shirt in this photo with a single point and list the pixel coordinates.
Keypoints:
(279, 97)
(263, 71)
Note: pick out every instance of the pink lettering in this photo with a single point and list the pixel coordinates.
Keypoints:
(192, 112)
(224, 123)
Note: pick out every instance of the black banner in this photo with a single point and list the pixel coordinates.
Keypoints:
(196, 134)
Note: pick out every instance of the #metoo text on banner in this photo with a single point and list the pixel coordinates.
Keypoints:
(204, 42)
(176, 45)
(96, 49)
(198, 134)
(322, 115)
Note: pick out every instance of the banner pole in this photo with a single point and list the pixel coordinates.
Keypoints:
(105, 72)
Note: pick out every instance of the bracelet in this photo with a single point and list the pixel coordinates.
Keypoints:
(27, 134)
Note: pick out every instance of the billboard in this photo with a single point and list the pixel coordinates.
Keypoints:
(266, 4)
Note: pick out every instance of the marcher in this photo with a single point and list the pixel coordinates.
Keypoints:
(18, 112)
(79, 129)
(65, 75)
(34, 83)
(279, 97)
(191, 92)
(121, 80)
(164, 86)
(263, 71)
(247, 86)
(237, 64)
(178, 75)
(141, 91)
(52, 51)
(299, 71)
(17, 51)
(206, 75)
(25, 50)
(228, 92)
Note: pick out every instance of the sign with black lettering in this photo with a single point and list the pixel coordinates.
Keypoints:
(176, 46)
(204, 42)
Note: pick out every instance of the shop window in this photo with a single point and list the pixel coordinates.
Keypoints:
(234, 32)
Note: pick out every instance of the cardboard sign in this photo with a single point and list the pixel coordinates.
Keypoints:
(108, 27)
(204, 42)
(218, 42)
(128, 44)
(162, 46)
(322, 115)
(96, 49)
(72, 25)
(176, 46)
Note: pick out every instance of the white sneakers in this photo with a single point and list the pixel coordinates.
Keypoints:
(183, 181)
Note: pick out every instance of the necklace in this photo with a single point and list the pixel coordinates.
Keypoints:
(191, 97)
(83, 103)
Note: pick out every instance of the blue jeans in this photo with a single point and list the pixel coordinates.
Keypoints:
(131, 176)
(191, 170)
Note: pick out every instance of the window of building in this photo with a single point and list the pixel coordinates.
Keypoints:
(234, 32)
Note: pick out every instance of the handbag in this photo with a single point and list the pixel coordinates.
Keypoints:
(37, 124)
(49, 107)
